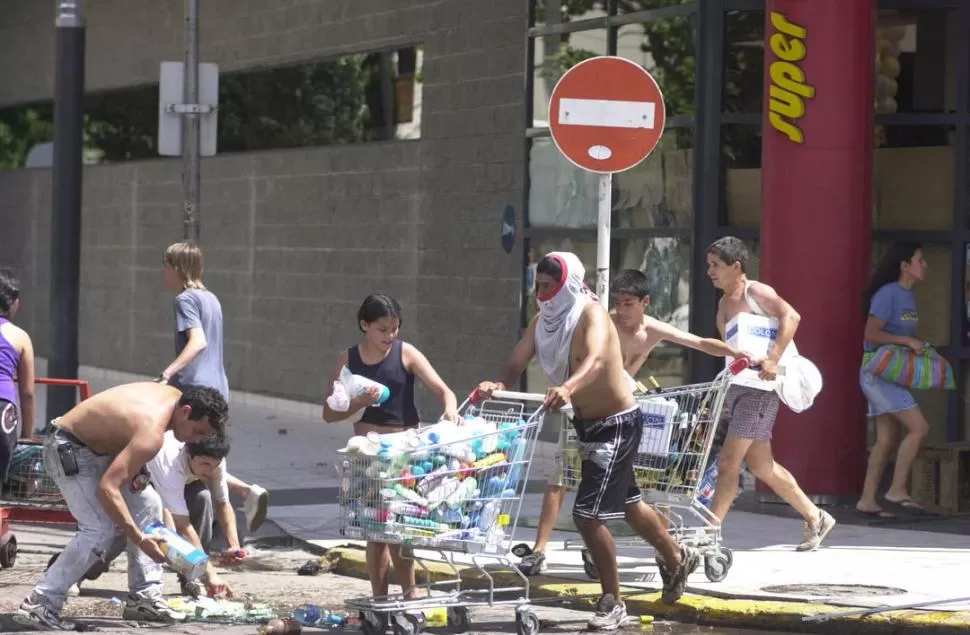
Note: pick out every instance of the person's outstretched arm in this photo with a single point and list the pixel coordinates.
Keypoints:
(417, 364)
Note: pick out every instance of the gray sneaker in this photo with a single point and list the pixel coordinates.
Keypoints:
(144, 609)
(675, 583)
(190, 588)
(38, 616)
(610, 614)
(816, 532)
(533, 563)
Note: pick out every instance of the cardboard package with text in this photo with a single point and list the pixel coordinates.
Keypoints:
(754, 334)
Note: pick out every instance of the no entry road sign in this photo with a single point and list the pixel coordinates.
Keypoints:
(606, 114)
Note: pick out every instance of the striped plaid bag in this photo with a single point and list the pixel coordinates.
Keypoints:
(901, 365)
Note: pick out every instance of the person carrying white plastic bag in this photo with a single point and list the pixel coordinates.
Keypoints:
(751, 403)
(388, 362)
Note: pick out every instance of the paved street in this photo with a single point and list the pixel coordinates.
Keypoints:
(288, 449)
(272, 581)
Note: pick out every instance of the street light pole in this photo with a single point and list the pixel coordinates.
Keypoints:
(191, 178)
(66, 208)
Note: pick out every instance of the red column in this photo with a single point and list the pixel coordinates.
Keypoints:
(816, 220)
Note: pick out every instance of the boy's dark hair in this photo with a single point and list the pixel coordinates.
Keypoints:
(9, 291)
(549, 266)
(216, 447)
(377, 306)
(206, 402)
(632, 282)
(730, 250)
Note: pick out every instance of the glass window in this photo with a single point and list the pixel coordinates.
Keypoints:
(659, 191)
(744, 61)
(914, 171)
(553, 12)
(632, 6)
(666, 263)
(22, 129)
(933, 294)
(554, 55)
(916, 60)
(560, 194)
(344, 100)
(349, 99)
(741, 157)
(666, 48)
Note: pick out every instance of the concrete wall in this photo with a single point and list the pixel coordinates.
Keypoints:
(294, 239)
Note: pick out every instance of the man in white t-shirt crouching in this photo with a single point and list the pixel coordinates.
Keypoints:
(191, 479)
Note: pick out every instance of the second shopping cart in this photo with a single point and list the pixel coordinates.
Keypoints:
(673, 458)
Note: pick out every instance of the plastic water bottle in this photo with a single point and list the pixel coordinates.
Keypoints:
(280, 627)
(705, 493)
(308, 615)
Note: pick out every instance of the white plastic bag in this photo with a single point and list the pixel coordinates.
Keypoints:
(800, 384)
(339, 401)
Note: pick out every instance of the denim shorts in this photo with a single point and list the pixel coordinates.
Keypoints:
(884, 397)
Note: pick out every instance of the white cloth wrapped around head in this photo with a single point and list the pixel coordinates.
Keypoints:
(559, 313)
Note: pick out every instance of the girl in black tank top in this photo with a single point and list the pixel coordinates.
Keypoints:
(382, 357)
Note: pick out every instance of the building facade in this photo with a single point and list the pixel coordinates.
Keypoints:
(345, 168)
(378, 146)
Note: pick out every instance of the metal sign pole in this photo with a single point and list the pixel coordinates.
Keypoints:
(604, 228)
(65, 252)
(191, 178)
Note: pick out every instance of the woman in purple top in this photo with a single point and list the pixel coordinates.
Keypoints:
(892, 318)
(16, 373)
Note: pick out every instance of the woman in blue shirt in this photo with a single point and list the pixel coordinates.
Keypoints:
(892, 318)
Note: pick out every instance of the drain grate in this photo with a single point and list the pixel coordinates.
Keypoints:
(830, 590)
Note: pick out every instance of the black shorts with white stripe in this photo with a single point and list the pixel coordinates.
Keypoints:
(609, 448)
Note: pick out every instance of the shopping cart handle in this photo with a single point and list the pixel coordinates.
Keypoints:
(511, 395)
(534, 397)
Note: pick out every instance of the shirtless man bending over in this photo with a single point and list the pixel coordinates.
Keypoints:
(93, 454)
(639, 334)
(578, 347)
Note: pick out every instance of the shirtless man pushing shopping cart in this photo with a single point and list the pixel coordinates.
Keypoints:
(578, 347)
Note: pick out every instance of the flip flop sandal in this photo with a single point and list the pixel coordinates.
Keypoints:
(910, 504)
(882, 513)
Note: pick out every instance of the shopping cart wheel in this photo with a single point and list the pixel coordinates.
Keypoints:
(8, 553)
(716, 566)
(526, 622)
(372, 623)
(589, 566)
(407, 623)
(458, 619)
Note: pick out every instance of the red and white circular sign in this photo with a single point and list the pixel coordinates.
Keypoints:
(606, 114)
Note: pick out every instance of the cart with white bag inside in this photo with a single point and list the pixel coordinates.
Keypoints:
(674, 468)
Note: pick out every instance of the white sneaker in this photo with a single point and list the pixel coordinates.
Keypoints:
(255, 507)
